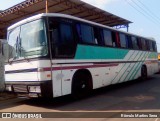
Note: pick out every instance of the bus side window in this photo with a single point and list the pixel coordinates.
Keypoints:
(123, 40)
(118, 40)
(114, 39)
(97, 35)
(135, 43)
(66, 43)
(54, 28)
(147, 45)
(86, 33)
(139, 43)
(154, 46)
(107, 36)
(129, 42)
(150, 46)
(62, 38)
(143, 42)
(78, 29)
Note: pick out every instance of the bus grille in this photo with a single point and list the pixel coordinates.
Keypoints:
(20, 88)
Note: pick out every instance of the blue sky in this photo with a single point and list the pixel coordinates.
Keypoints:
(142, 25)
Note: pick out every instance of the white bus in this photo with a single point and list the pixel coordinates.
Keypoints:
(56, 54)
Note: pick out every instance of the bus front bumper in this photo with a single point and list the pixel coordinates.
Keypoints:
(30, 89)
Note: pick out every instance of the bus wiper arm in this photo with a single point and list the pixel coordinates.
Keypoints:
(14, 58)
(24, 55)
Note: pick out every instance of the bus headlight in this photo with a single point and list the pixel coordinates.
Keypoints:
(8, 88)
(35, 89)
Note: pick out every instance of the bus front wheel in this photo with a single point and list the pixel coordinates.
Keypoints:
(81, 86)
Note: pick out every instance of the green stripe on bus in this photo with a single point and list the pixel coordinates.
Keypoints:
(122, 68)
(133, 77)
(126, 68)
(96, 52)
(134, 67)
(138, 65)
(153, 55)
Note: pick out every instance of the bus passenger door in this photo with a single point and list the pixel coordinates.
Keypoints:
(63, 48)
(55, 65)
(56, 78)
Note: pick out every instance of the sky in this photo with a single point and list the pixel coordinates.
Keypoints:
(145, 14)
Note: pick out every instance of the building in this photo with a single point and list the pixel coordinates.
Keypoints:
(76, 8)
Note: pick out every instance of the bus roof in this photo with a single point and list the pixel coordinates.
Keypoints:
(70, 17)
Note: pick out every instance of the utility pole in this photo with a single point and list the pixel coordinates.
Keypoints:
(47, 6)
(127, 28)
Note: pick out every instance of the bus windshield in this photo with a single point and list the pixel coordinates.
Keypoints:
(28, 40)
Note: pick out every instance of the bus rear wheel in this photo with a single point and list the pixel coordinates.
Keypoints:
(144, 74)
(81, 86)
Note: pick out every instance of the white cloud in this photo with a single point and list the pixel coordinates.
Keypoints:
(100, 3)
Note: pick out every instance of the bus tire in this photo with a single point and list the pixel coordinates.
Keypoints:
(81, 85)
(144, 74)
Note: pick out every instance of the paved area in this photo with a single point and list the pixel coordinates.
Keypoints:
(134, 96)
(6, 96)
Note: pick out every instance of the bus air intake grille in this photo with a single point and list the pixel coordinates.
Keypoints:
(20, 88)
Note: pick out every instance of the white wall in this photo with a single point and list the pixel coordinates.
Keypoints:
(2, 60)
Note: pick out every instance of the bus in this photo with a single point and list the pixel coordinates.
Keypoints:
(56, 54)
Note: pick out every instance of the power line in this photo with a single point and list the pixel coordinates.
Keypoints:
(157, 17)
(140, 11)
(146, 12)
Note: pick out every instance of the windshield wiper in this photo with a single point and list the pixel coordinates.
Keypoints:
(16, 45)
(19, 50)
(10, 62)
(24, 54)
